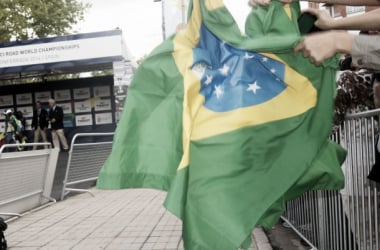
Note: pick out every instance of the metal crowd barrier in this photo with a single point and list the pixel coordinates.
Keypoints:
(87, 154)
(26, 178)
(348, 219)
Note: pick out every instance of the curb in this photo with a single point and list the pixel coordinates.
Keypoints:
(261, 239)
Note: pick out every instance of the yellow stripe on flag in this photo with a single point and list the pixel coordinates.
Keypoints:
(298, 97)
(184, 42)
(288, 10)
(214, 4)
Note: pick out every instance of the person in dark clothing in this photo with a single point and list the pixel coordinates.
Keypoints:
(40, 123)
(19, 115)
(374, 174)
(3, 227)
(56, 122)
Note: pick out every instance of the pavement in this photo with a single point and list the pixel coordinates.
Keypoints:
(128, 219)
(282, 237)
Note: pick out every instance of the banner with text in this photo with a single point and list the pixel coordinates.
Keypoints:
(63, 49)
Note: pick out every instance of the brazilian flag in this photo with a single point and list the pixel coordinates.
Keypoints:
(230, 125)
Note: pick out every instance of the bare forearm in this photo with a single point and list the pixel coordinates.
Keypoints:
(344, 41)
(367, 21)
(341, 2)
(323, 45)
(347, 2)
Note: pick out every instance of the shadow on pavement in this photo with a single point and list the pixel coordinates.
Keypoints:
(283, 238)
(60, 173)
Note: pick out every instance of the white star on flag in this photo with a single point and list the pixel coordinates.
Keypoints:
(208, 80)
(265, 59)
(224, 71)
(199, 70)
(273, 70)
(248, 56)
(218, 91)
(253, 87)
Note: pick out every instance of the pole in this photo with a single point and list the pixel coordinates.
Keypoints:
(183, 9)
(163, 20)
(163, 17)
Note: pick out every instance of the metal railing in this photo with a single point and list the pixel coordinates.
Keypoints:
(348, 219)
(23, 147)
(87, 154)
(26, 178)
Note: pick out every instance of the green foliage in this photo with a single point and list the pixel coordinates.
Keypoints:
(28, 19)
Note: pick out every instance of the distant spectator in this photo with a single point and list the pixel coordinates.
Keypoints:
(40, 123)
(375, 171)
(15, 125)
(20, 116)
(56, 121)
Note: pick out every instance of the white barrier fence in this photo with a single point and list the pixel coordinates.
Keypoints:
(87, 154)
(26, 178)
(348, 219)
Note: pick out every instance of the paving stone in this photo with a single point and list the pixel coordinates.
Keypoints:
(131, 219)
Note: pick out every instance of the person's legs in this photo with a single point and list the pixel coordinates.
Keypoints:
(44, 137)
(62, 138)
(55, 138)
(36, 137)
(9, 138)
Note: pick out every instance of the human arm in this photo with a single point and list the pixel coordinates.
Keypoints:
(44, 119)
(366, 21)
(349, 3)
(59, 114)
(51, 116)
(365, 50)
(342, 2)
(323, 45)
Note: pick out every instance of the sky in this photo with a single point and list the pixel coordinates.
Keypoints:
(139, 20)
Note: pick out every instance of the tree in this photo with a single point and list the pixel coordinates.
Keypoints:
(28, 19)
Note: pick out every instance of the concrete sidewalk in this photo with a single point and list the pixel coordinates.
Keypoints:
(121, 219)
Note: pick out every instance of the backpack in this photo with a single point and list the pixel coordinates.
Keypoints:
(3, 227)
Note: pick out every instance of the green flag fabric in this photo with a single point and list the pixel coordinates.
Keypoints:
(231, 125)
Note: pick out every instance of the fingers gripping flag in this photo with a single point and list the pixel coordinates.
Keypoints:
(231, 125)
